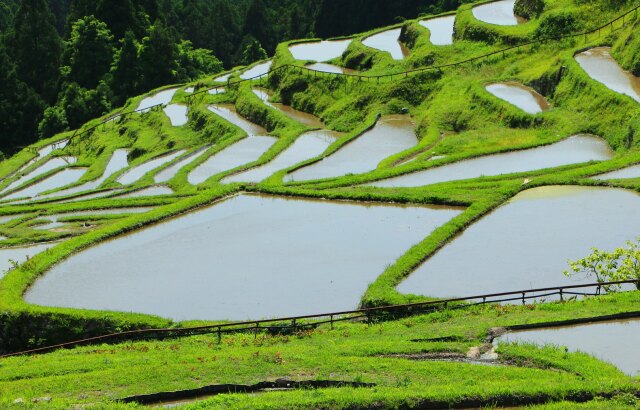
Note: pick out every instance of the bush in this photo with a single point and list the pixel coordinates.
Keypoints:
(556, 25)
(54, 122)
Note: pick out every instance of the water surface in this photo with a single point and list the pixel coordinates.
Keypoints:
(171, 171)
(441, 29)
(390, 135)
(308, 145)
(319, 50)
(223, 78)
(242, 152)
(614, 341)
(50, 165)
(307, 119)
(330, 68)
(163, 97)
(151, 191)
(388, 41)
(600, 66)
(137, 172)
(523, 97)
(628, 172)
(58, 180)
(573, 150)
(499, 13)
(527, 242)
(177, 113)
(216, 91)
(229, 113)
(246, 257)
(257, 70)
(19, 255)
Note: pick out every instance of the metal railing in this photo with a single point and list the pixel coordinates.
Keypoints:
(295, 324)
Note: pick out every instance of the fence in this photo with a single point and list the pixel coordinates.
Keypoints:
(297, 323)
(378, 78)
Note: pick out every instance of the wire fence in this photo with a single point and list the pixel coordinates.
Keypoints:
(611, 25)
(295, 324)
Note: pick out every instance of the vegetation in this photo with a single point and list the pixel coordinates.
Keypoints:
(110, 51)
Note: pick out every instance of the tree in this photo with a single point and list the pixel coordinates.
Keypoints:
(88, 52)
(20, 107)
(36, 47)
(620, 264)
(158, 55)
(125, 70)
(251, 51)
(80, 105)
(53, 122)
(195, 63)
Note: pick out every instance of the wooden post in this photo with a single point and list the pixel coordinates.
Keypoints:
(219, 335)
(331, 319)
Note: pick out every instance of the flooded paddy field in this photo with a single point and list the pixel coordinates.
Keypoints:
(573, 150)
(526, 243)
(246, 257)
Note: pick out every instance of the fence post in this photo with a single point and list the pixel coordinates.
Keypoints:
(219, 335)
(561, 297)
(331, 319)
(255, 335)
(523, 295)
(293, 325)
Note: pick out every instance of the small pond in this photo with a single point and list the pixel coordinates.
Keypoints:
(307, 119)
(245, 257)
(319, 50)
(526, 243)
(177, 114)
(388, 41)
(613, 341)
(624, 173)
(229, 113)
(171, 171)
(523, 97)
(242, 152)
(441, 29)
(573, 150)
(137, 172)
(257, 70)
(163, 97)
(330, 68)
(308, 145)
(499, 13)
(600, 66)
(390, 135)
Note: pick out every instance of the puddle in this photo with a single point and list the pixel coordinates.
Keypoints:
(499, 13)
(308, 145)
(600, 66)
(19, 255)
(50, 165)
(177, 113)
(307, 119)
(573, 150)
(319, 50)
(117, 162)
(90, 196)
(170, 172)
(391, 135)
(246, 257)
(137, 172)
(613, 341)
(151, 191)
(330, 68)
(242, 152)
(189, 90)
(523, 97)
(628, 172)
(257, 70)
(388, 41)
(57, 180)
(441, 29)
(229, 113)
(163, 97)
(216, 91)
(223, 78)
(526, 243)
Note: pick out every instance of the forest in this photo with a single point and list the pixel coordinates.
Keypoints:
(64, 62)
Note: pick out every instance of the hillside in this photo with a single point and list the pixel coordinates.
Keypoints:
(472, 152)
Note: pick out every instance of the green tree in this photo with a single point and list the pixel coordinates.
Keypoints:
(158, 55)
(80, 105)
(252, 51)
(53, 122)
(620, 264)
(196, 62)
(125, 71)
(20, 107)
(36, 47)
(88, 52)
